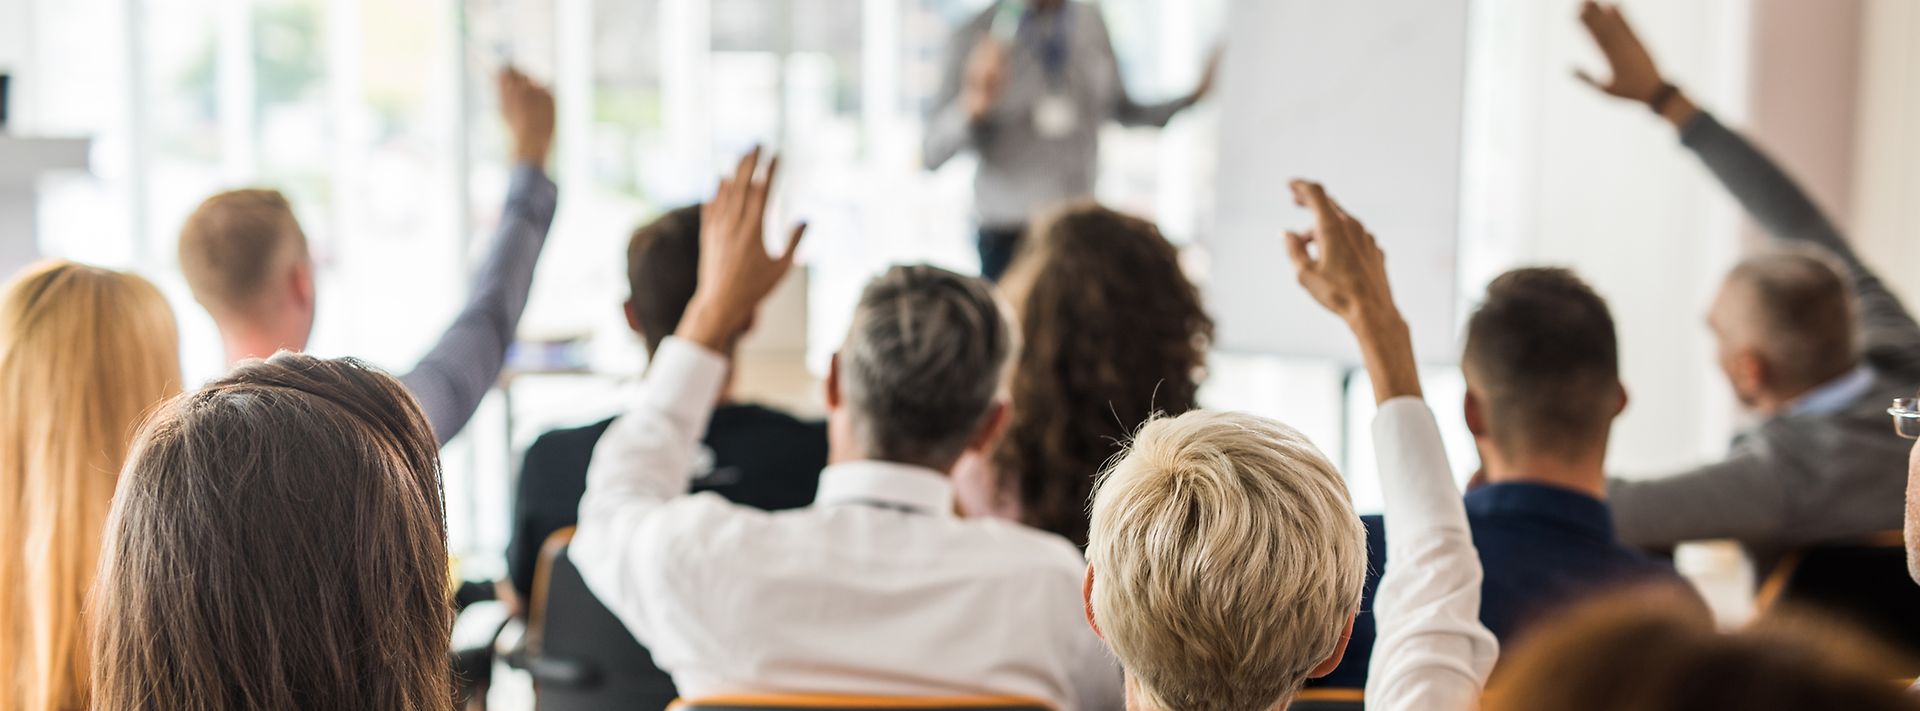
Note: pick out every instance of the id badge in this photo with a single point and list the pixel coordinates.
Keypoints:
(1055, 116)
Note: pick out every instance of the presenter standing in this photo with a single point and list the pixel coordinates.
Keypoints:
(1027, 86)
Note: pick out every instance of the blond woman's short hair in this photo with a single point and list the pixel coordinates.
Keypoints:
(1226, 559)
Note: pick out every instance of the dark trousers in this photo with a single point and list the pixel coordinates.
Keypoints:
(997, 247)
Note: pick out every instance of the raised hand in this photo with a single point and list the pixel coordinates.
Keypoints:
(736, 272)
(986, 77)
(1341, 266)
(1635, 76)
(1348, 274)
(528, 110)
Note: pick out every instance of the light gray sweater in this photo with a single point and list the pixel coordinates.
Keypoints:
(1021, 170)
(1793, 479)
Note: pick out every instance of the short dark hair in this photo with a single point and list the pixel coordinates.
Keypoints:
(663, 268)
(278, 541)
(1542, 353)
(1807, 311)
(922, 364)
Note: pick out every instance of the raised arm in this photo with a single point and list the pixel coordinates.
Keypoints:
(463, 365)
(1431, 652)
(646, 457)
(1741, 497)
(1129, 112)
(1763, 189)
(971, 81)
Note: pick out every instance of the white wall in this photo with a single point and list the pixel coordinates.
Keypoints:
(15, 35)
(1887, 153)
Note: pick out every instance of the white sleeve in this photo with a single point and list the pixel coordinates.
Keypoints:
(1431, 651)
(643, 462)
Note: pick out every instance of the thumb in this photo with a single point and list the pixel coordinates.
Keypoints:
(1588, 79)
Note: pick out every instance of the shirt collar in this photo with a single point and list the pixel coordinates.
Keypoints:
(1834, 395)
(886, 485)
(1558, 504)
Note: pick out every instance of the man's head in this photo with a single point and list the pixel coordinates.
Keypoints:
(246, 259)
(1784, 323)
(1542, 366)
(916, 379)
(1913, 512)
(663, 267)
(1225, 562)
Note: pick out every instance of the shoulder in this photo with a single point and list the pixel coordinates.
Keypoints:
(570, 439)
(1018, 548)
(560, 455)
(765, 418)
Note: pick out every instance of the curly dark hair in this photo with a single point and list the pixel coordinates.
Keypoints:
(1111, 333)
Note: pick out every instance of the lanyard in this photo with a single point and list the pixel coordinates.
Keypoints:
(1056, 49)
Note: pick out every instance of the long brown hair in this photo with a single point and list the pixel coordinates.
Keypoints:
(1112, 332)
(278, 542)
(1649, 650)
(84, 353)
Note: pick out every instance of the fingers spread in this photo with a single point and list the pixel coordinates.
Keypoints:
(756, 201)
(793, 243)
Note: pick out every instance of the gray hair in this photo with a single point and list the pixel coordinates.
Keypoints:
(1804, 308)
(922, 364)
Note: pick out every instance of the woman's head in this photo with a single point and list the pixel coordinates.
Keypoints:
(1111, 333)
(84, 353)
(279, 542)
(1653, 651)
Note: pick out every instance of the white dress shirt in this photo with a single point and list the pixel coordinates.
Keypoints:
(877, 589)
(1431, 651)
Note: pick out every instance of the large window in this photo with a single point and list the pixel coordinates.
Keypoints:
(377, 119)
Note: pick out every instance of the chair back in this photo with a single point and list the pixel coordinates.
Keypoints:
(1329, 699)
(810, 702)
(580, 656)
(1864, 582)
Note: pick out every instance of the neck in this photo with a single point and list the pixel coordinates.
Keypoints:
(1775, 403)
(243, 343)
(842, 451)
(1585, 473)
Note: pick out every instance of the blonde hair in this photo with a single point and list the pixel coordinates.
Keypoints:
(84, 353)
(1226, 559)
(234, 245)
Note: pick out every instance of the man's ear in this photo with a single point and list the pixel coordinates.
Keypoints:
(633, 317)
(990, 428)
(1332, 661)
(1086, 599)
(300, 285)
(1750, 373)
(1476, 416)
(1620, 399)
(834, 398)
